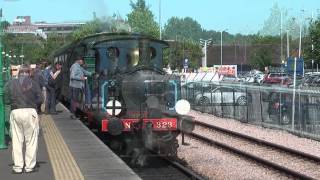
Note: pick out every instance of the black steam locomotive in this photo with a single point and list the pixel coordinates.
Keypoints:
(129, 99)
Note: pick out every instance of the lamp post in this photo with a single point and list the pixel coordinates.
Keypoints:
(2, 120)
(221, 46)
(300, 35)
(288, 45)
(281, 38)
(8, 67)
(205, 44)
(160, 18)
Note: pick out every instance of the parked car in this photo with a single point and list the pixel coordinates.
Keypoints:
(191, 89)
(230, 79)
(219, 95)
(311, 80)
(255, 76)
(277, 78)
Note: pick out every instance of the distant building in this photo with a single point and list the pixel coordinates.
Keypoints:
(23, 25)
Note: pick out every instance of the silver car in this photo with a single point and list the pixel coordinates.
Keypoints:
(222, 95)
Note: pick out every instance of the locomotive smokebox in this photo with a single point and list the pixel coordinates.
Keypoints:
(143, 89)
(186, 124)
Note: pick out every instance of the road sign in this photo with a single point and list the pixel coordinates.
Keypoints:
(299, 67)
(186, 64)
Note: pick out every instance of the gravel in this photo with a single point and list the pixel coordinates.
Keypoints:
(276, 136)
(216, 163)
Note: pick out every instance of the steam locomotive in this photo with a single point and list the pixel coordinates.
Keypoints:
(129, 99)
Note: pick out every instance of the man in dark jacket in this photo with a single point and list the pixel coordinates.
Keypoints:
(24, 95)
(37, 76)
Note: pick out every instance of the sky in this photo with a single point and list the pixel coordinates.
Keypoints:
(237, 16)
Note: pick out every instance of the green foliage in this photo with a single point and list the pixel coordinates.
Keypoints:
(261, 56)
(258, 40)
(313, 39)
(182, 28)
(181, 50)
(4, 24)
(98, 25)
(272, 26)
(87, 29)
(33, 48)
(27, 44)
(142, 20)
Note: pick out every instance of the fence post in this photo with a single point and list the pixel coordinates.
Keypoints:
(2, 119)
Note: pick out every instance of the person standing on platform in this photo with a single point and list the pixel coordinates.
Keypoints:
(51, 89)
(77, 82)
(37, 76)
(24, 95)
(58, 79)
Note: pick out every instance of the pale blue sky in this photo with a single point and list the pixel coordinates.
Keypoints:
(238, 16)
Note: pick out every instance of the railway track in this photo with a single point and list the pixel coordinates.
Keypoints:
(289, 161)
(159, 168)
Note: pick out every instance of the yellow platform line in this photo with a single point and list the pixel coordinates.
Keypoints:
(63, 164)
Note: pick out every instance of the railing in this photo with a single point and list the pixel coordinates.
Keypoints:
(268, 106)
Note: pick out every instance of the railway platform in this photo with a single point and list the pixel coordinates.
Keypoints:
(68, 150)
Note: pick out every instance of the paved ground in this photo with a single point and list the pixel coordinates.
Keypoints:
(45, 171)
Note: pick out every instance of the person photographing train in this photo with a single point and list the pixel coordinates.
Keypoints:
(78, 76)
(24, 95)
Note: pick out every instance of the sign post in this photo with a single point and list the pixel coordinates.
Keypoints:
(186, 65)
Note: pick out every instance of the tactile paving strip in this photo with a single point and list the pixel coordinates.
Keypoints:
(63, 164)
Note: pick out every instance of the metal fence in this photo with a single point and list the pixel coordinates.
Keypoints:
(294, 110)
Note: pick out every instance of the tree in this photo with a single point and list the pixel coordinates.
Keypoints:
(261, 58)
(181, 50)
(272, 26)
(27, 44)
(313, 39)
(183, 28)
(4, 24)
(90, 27)
(142, 20)
(98, 25)
(263, 53)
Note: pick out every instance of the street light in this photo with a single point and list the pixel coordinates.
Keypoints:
(205, 44)
(160, 18)
(300, 34)
(221, 45)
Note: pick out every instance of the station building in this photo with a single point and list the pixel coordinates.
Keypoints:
(24, 25)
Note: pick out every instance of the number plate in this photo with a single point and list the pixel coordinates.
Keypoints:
(162, 124)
